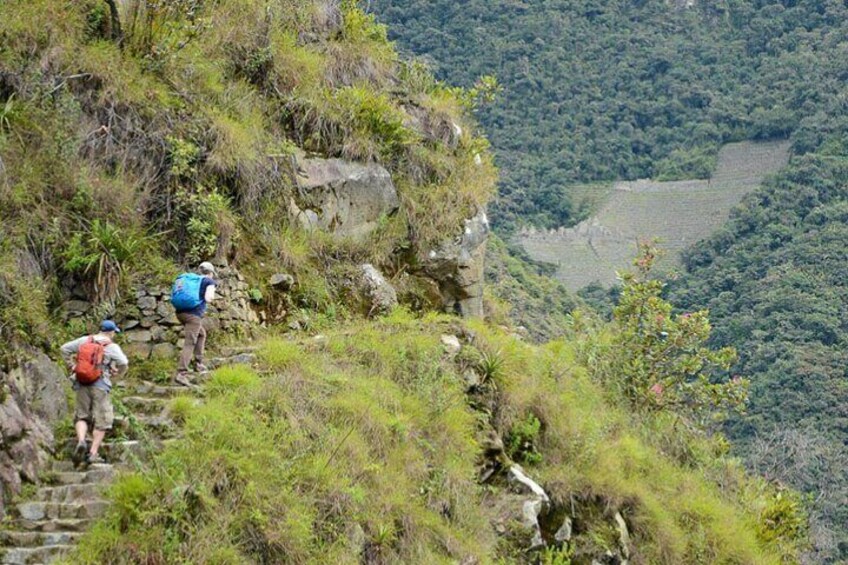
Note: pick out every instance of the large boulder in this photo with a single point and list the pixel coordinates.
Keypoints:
(41, 387)
(32, 399)
(457, 266)
(345, 198)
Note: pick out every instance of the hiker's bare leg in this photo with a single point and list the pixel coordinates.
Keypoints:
(97, 439)
(82, 429)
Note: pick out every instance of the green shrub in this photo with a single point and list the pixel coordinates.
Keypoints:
(657, 360)
(104, 254)
(522, 439)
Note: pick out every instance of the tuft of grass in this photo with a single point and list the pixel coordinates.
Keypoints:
(231, 379)
(157, 370)
(180, 408)
(280, 354)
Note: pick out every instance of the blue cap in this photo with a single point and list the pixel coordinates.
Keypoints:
(109, 326)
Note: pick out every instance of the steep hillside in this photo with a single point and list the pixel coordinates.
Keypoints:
(170, 135)
(774, 280)
(675, 213)
(622, 90)
(625, 90)
(382, 443)
(341, 192)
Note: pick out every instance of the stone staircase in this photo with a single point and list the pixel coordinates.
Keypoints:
(46, 526)
(43, 527)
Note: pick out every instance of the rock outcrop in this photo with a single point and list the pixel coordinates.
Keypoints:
(458, 267)
(381, 295)
(342, 197)
(32, 400)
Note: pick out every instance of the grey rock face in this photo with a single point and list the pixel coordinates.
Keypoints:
(140, 336)
(41, 384)
(451, 345)
(342, 197)
(33, 397)
(382, 295)
(457, 267)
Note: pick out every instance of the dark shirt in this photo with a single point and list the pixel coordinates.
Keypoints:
(200, 309)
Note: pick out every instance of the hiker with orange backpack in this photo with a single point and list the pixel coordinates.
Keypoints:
(94, 360)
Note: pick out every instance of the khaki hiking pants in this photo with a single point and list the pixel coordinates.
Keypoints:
(195, 340)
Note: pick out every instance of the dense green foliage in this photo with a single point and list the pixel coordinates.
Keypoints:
(361, 447)
(775, 282)
(606, 90)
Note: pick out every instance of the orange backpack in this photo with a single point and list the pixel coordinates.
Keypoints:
(90, 360)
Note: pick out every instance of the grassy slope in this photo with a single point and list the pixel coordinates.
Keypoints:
(367, 434)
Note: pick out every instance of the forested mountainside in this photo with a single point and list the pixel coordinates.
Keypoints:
(621, 90)
(366, 408)
(775, 282)
(624, 89)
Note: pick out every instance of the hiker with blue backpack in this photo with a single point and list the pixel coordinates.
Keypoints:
(190, 295)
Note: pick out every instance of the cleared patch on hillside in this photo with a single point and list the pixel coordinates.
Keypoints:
(677, 213)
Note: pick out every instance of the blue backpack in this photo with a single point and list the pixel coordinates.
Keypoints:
(185, 294)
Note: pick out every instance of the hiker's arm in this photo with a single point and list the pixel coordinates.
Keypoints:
(210, 293)
(69, 350)
(118, 359)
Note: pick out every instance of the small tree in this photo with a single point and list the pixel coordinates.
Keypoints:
(661, 359)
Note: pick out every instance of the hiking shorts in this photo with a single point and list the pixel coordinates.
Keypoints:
(95, 407)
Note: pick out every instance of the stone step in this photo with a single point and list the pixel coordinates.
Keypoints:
(149, 389)
(58, 525)
(67, 466)
(240, 359)
(90, 475)
(70, 493)
(145, 404)
(9, 538)
(36, 511)
(158, 426)
(233, 350)
(27, 555)
(129, 451)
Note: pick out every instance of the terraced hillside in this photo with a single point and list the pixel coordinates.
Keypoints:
(677, 213)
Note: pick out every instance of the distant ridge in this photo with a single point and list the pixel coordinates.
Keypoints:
(678, 213)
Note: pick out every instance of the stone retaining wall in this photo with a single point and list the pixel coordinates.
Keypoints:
(150, 325)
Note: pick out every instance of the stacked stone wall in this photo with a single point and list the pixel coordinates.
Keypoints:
(150, 324)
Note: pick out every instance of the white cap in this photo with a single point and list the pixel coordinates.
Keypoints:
(207, 267)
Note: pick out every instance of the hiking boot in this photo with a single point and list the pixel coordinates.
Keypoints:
(201, 368)
(80, 453)
(182, 378)
(91, 459)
